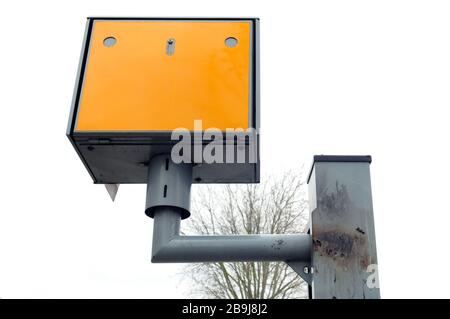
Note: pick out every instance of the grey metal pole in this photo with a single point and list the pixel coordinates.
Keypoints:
(168, 246)
(344, 257)
(168, 198)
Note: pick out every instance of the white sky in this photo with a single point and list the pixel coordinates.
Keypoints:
(337, 77)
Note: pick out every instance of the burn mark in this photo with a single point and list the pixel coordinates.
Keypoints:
(344, 247)
(317, 243)
(336, 203)
(335, 244)
(359, 230)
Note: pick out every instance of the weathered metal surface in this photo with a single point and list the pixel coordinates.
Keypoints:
(168, 197)
(169, 247)
(342, 230)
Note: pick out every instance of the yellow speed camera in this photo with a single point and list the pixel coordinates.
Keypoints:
(142, 78)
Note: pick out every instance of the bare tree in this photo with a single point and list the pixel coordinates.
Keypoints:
(277, 206)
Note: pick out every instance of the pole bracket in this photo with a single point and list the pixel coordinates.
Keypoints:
(168, 201)
(303, 269)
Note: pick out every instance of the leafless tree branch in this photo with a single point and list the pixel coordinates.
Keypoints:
(277, 205)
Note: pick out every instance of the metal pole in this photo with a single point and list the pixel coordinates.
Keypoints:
(168, 198)
(344, 258)
(168, 246)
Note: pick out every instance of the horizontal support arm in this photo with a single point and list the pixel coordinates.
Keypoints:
(170, 247)
(168, 201)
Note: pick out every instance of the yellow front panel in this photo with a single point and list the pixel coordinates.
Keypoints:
(135, 85)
